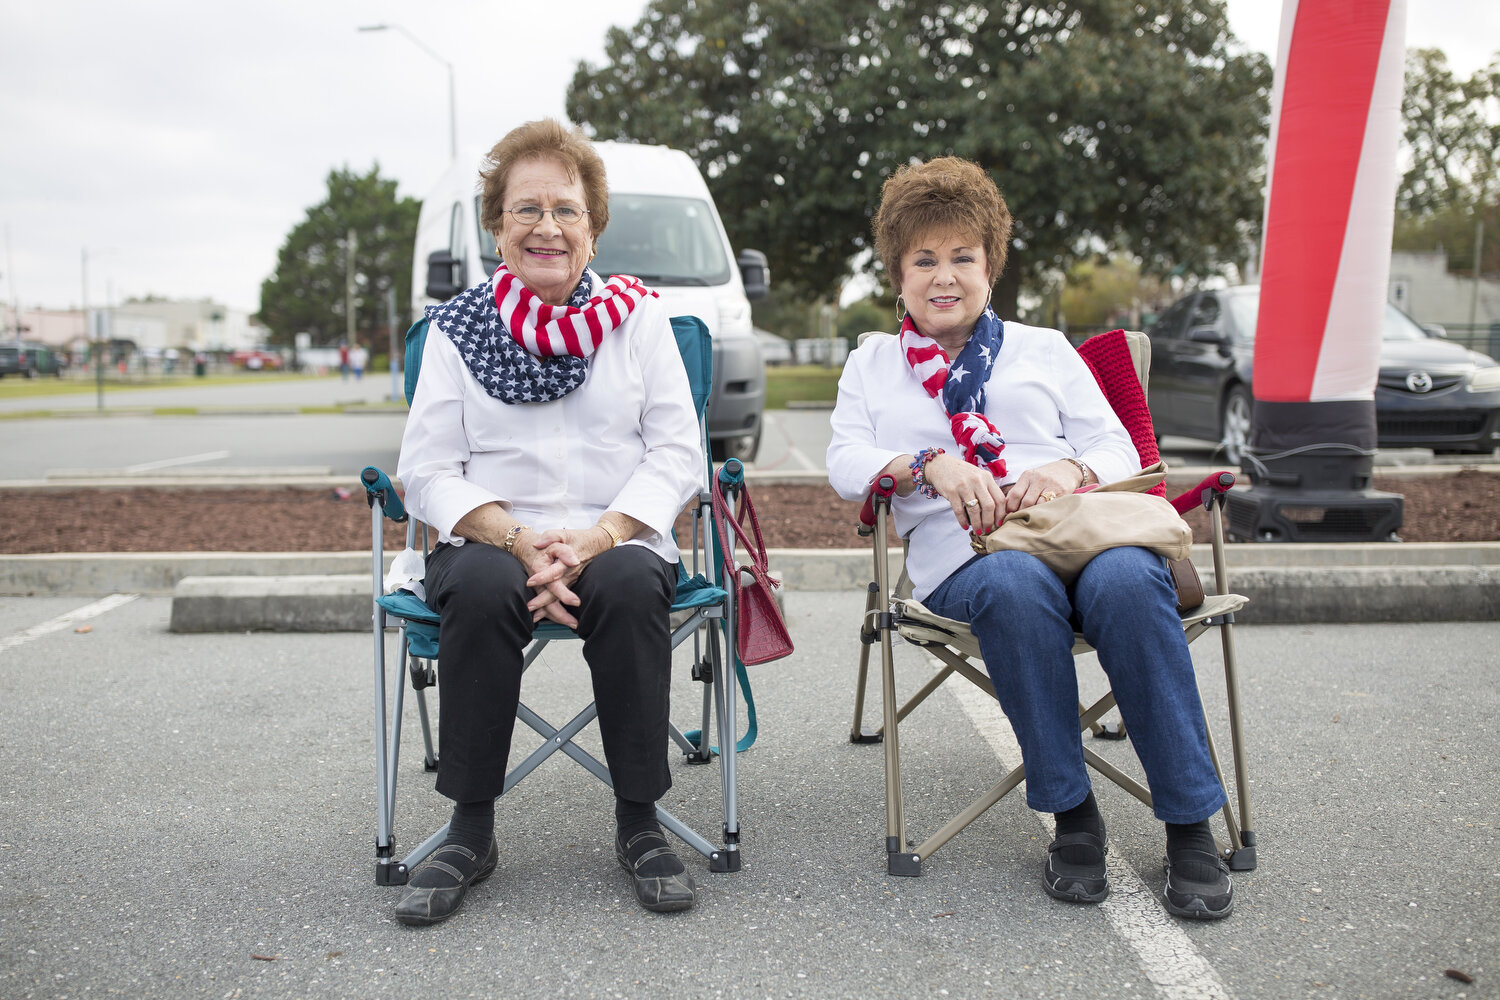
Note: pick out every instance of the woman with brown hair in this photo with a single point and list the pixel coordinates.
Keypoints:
(974, 418)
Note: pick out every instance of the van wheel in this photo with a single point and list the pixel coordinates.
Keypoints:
(1234, 423)
(743, 448)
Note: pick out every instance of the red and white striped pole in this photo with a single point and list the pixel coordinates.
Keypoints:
(1330, 209)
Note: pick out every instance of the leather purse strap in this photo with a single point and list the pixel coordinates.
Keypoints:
(756, 550)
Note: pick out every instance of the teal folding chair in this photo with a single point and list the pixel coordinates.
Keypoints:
(701, 611)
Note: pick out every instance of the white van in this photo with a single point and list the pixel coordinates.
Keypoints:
(664, 229)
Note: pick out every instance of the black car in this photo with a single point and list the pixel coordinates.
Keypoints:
(1430, 393)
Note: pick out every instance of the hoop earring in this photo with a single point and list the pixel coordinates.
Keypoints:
(900, 310)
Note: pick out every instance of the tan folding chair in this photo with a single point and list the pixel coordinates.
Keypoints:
(1120, 362)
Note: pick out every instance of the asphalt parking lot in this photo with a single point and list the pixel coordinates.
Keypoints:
(192, 815)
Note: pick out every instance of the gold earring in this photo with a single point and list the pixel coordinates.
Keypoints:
(900, 310)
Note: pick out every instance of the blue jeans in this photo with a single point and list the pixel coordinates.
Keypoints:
(1125, 605)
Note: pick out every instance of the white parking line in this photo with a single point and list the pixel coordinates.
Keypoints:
(1168, 956)
(167, 463)
(61, 622)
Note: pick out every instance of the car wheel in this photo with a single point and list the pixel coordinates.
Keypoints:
(743, 448)
(1234, 423)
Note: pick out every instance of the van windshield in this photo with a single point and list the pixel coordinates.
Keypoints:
(662, 240)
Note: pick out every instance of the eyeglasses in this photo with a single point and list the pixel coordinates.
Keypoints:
(563, 215)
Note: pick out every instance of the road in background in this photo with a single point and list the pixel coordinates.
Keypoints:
(264, 429)
(290, 443)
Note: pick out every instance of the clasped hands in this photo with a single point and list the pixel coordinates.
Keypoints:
(554, 559)
(980, 503)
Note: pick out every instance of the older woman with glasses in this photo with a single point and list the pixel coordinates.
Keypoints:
(552, 442)
(974, 418)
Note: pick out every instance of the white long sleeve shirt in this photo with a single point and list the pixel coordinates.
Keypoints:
(625, 440)
(1040, 396)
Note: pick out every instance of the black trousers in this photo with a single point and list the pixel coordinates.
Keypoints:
(624, 595)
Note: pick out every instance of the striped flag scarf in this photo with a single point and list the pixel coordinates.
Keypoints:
(962, 386)
(552, 331)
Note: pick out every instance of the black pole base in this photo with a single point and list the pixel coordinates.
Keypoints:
(1273, 514)
(1312, 493)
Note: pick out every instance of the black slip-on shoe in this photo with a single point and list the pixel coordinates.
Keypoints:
(659, 893)
(431, 904)
(1075, 883)
(1197, 900)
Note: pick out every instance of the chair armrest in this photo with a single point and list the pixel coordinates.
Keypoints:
(378, 486)
(1202, 494)
(884, 487)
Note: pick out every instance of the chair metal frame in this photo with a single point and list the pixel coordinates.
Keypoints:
(956, 648)
(705, 614)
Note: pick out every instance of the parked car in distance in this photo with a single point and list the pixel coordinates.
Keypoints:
(30, 359)
(257, 359)
(1430, 393)
(39, 359)
(774, 350)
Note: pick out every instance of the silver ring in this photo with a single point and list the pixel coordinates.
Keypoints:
(971, 503)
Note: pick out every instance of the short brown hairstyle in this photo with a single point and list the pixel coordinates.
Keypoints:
(942, 195)
(547, 139)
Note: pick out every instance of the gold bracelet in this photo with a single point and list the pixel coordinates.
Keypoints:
(615, 538)
(512, 535)
(1083, 470)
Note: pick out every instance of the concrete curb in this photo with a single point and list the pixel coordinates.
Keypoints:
(1278, 595)
(271, 603)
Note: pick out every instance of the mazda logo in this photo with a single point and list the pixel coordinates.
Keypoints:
(1419, 382)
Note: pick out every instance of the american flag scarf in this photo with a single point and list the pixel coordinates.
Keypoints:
(499, 360)
(962, 386)
(553, 331)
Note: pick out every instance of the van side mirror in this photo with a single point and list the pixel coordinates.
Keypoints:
(755, 273)
(445, 275)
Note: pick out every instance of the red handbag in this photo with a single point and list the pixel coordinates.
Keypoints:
(760, 631)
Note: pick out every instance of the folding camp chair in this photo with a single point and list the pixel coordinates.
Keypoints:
(701, 610)
(1120, 361)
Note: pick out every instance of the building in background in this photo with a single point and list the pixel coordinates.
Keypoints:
(1422, 286)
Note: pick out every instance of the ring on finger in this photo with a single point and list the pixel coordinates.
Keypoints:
(1048, 495)
(972, 503)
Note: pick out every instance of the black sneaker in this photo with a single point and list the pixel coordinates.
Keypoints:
(1197, 900)
(659, 893)
(1076, 883)
(436, 888)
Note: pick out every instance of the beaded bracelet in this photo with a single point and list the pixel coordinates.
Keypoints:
(919, 471)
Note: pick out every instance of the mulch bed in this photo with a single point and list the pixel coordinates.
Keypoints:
(1463, 506)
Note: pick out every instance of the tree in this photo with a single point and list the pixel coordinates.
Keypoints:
(1108, 124)
(1452, 131)
(306, 294)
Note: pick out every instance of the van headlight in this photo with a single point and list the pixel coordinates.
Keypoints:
(1485, 379)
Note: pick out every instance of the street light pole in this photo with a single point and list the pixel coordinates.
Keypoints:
(452, 104)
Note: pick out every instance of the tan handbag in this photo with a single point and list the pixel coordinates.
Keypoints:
(1068, 532)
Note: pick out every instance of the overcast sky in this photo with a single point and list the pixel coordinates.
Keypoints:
(177, 142)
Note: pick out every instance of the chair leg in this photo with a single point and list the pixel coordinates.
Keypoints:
(1242, 856)
(727, 859)
(387, 870)
(868, 636)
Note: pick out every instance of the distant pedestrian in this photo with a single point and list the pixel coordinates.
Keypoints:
(357, 358)
(344, 360)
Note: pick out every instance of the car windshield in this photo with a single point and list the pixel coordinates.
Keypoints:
(662, 240)
(1244, 303)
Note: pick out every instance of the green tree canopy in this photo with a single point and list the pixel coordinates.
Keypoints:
(1133, 125)
(1452, 180)
(306, 294)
